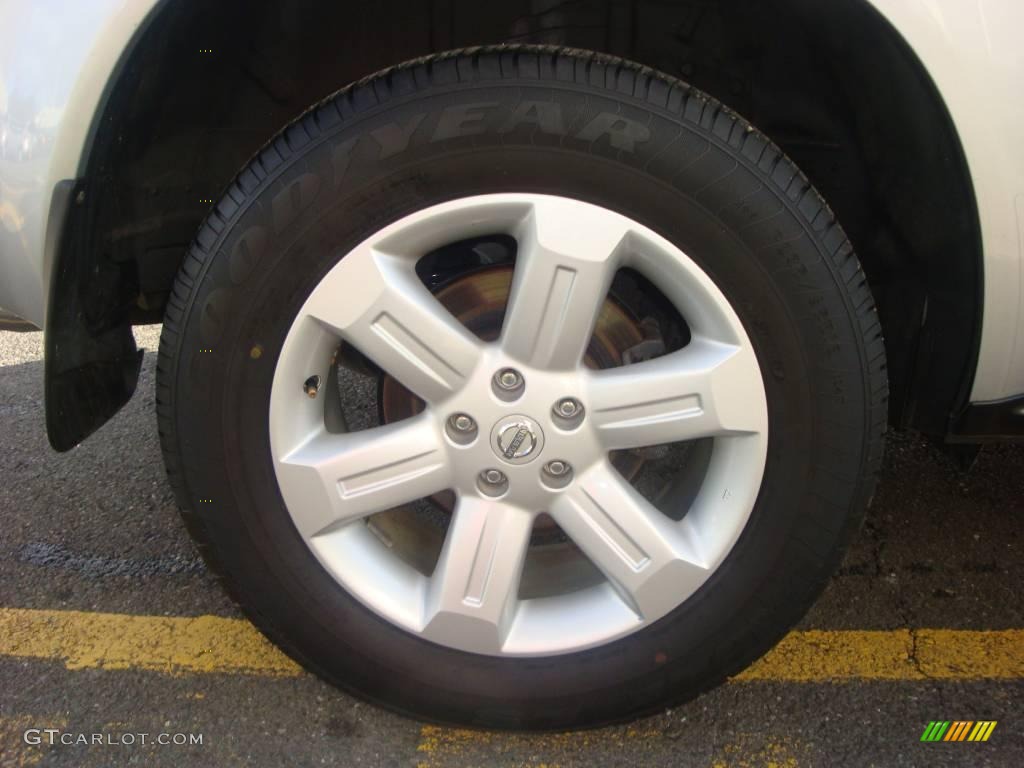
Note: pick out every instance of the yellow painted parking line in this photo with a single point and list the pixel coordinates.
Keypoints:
(900, 654)
(617, 745)
(439, 746)
(172, 645)
(181, 645)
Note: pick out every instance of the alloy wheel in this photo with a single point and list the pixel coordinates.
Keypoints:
(518, 427)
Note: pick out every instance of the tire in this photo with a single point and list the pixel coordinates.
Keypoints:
(547, 122)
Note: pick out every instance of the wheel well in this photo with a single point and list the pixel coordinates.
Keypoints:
(832, 83)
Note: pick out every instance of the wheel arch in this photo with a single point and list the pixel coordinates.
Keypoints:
(837, 88)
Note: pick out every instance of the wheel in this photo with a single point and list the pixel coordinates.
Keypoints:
(522, 388)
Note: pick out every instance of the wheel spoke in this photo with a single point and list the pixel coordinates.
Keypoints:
(566, 260)
(376, 302)
(648, 558)
(333, 479)
(705, 389)
(473, 592)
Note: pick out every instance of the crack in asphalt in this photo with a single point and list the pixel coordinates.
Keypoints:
(903, 611)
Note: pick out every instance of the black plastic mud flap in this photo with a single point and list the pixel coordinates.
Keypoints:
(92, 364)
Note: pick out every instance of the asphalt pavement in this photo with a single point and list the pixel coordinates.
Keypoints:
(101, 590)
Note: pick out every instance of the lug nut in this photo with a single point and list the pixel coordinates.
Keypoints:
(493, 476)
(492, 482)
(557, 468)
(568, 407)
(461, 428)
(311, 386)
(557, 474)
(460, 422)
(508, 379)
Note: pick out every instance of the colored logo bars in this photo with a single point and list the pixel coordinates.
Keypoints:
(958, 730)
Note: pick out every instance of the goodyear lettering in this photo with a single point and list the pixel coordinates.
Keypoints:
(462, 120)
(293, 200)
(247, 253)
(544, 115)
(622, 132)
(394, 138)
(458, 121)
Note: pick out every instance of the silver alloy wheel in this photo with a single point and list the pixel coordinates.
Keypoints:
(568, 252)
